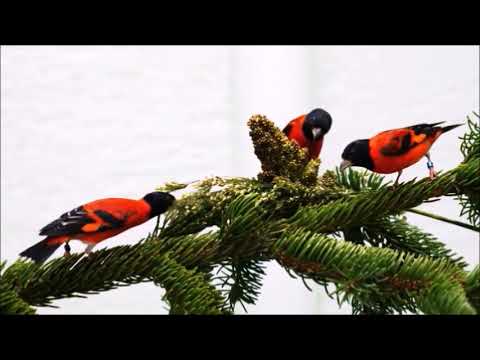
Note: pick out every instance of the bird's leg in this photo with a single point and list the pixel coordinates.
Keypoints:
(395, 184)
(431, 170)
(67, 249)
(88, 249)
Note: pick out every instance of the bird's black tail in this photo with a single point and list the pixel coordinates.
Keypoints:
(450, 127)
(41, 251)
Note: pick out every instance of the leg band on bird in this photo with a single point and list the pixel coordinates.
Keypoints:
(431, 171)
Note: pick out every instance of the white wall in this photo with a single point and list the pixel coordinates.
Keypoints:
(80, 123)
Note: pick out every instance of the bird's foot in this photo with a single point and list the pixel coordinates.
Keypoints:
(431, 171)
(67, 250)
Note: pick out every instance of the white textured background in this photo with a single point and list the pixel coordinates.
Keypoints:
(80, 123)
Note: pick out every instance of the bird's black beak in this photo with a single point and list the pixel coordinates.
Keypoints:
(317, 133)
(345, 164)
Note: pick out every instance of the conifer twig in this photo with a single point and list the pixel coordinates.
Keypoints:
(288, 214)
(444, 219)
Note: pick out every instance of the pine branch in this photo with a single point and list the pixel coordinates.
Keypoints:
(383, 278)
(395, 233)
(392, 231)
(187, 291)
(286, 214)
(366, 207)
(470, 147)
(77, 276)
(204, 208)
(10, 303)
(244, 230)
(242, 280)
(472, 288)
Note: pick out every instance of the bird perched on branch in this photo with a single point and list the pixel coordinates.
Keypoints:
(394, 150)
(308, 130)
(96, 221)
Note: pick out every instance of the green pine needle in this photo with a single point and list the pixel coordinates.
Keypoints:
(290, 215)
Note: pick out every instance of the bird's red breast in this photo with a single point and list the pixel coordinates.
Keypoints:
(394, 150)
(294, 131)
(98, 220)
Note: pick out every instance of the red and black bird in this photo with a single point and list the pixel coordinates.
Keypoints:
(96, 221)
(308, 131)
(394, 150)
